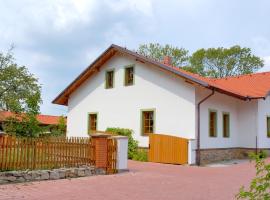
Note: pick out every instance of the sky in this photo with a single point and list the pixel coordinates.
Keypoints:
(57, 39)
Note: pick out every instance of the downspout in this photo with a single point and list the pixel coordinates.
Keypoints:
(198, 152)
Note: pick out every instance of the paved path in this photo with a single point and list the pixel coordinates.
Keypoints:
(144, 181)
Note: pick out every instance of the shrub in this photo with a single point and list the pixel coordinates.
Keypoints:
(141, 155)
(259, 188)
(132, 143)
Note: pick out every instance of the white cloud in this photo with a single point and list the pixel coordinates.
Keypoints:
(145, 7)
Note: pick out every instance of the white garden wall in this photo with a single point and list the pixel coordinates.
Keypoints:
(171, 97)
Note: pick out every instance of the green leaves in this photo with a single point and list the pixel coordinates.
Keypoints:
(157, 52)
(23, 124)
(19, 89)
(213, 62)
(19, 93)
(259, 188)
(223, 62)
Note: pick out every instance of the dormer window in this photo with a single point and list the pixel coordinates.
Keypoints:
(109, 79)
(129, 76)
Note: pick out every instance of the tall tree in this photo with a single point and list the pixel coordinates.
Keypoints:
(19, 89)
(222, 62)
(20, 93)
(157, 52)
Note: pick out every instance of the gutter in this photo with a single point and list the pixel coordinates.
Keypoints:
(198, 152)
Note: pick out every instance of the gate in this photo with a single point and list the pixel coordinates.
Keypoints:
(168, 149)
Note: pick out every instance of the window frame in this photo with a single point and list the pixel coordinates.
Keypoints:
(89, 122)
(125, 71)
(229, 125)
(142, 122)
(113, 80)
(216, 123)
(268, 127)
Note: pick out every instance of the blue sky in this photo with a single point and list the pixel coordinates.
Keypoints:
(57, 39)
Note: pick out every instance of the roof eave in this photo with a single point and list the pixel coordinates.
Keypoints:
(62, 98)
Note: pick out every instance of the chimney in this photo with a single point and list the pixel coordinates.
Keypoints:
(167, 60)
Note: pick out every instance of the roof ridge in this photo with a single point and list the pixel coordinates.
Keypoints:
(239, 76)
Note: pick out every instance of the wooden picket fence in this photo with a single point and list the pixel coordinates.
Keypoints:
(111, 156)
(45, 153)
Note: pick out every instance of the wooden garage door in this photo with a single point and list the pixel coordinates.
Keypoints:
(168, 149)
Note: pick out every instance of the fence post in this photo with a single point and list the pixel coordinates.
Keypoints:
(101, 149)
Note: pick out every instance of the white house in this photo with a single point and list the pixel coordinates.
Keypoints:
(124, 89)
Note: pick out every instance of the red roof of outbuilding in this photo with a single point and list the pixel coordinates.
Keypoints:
(43, 119)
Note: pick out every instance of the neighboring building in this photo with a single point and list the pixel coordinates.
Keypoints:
(124, 89)
(44, 120)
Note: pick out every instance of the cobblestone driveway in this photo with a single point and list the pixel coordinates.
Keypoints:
(144, 181)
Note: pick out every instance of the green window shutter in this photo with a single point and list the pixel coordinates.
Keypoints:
(212, 123)
(268, 126)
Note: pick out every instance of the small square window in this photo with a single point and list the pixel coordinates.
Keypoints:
(129, 76)
(109, 79)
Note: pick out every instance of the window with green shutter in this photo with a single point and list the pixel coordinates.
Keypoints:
(129, 76)
(226, 125)
(148, 121)
(109, 79)
(268, 126)
(212, 123)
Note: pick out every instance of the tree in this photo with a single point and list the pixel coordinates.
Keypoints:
(19, 89)
(19, 93)
(157, 52)
(259, 188)
(23, 125)
(222, 62)
(60, 128)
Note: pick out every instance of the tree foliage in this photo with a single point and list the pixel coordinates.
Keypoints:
(23, 125)
(213, 62)
(157, 52)
(60, 128)
(20, 93)
(19, 89)
(222, 62)
(259, 188)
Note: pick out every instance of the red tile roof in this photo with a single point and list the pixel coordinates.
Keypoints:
(256, 85)
(43, 119)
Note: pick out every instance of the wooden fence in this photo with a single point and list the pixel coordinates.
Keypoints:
(111, 156)
(45, 153)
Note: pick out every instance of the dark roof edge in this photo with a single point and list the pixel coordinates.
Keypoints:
(81, 74)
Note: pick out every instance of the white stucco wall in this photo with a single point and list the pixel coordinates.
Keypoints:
(247, 123)
(243, 120)
(221, 103)
(171, 97)
(263, 112)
